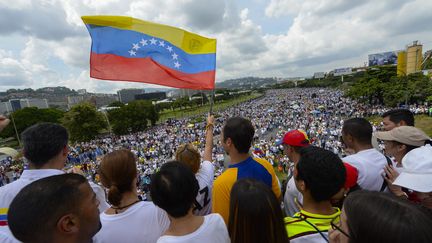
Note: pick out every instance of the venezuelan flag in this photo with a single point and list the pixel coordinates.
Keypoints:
(3, 216)
(129, 49)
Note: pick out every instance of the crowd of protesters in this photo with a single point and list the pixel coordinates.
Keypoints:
(215, 181)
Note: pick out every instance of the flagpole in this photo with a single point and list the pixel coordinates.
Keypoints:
(212, 101)
(16, 131)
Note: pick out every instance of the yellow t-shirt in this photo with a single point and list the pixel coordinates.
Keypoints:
(254, 168)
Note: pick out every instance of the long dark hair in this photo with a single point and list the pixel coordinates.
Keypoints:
(117, 171)
(379, 217)
(255, 214)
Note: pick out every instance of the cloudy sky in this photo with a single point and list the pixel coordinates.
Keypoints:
(44, 42)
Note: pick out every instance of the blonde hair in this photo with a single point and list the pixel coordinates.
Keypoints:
(189, 155)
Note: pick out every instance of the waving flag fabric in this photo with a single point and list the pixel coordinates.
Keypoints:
(129, 49)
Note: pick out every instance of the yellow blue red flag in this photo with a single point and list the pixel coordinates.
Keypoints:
(129, 49)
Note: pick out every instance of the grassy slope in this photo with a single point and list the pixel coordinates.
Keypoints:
(204, 109)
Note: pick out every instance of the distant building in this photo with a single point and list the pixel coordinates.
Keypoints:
(128, 95)
(82, 91)
(5, 107)
(73, 100)
(151, 96)
(414, 58)
(410, 60)
(16, 104)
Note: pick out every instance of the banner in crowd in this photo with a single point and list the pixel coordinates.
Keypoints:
(129, 49)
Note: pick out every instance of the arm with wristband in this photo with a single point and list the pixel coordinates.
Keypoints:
(209, 138)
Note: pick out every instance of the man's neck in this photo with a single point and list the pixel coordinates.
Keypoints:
(237, 158)
(360, 147)
(49, 165)
(322, 208)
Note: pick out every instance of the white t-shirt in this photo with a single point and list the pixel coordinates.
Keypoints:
(291, 194)
(205, 178)
(142, 222)
(213, 230)
(370, 165)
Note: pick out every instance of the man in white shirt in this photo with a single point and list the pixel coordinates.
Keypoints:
(370, 163)
(60, 208)
(46, 150)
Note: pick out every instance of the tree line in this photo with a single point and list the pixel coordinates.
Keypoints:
(84, 122)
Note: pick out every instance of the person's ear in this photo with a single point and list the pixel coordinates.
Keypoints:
(401, 147)
(301, 186)
(68, 224)
(401, 123)
(228, 142)
(65, 150)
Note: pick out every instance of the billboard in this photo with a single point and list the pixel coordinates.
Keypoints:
(342, 71)
(385, 58)
(319, 75)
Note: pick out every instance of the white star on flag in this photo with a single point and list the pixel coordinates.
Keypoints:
(143, 42)
(177, 65)
(162, 43)
(135, 46)
(174, 56)
(169, 48)
(153, 41)
(132, 53)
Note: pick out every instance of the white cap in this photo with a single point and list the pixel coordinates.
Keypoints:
(417, 170)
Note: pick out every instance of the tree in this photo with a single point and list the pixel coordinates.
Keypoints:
(371, 86)
(29, 116)
(133, 117)
(116, 104)
(84, 122)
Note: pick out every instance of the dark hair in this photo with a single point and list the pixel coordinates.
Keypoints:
(359, 128)
(43, 141)
(368, 213)
(322, 172)
(34, 212)
(174, 188)
(117, 171)
(255, 214)
(398, 115)
(241, 132)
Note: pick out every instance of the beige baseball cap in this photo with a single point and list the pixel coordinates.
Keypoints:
(404, 134)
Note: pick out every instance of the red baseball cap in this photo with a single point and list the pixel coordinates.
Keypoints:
(296, 138)
(351, 175)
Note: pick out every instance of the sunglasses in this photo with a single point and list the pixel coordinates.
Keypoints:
(335, 227)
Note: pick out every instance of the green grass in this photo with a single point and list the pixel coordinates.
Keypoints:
(422, 122)
(195, 111)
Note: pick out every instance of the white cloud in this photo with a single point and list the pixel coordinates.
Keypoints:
(324, 34)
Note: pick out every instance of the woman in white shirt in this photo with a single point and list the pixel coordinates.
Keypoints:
(174, 189)
(128, 219)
